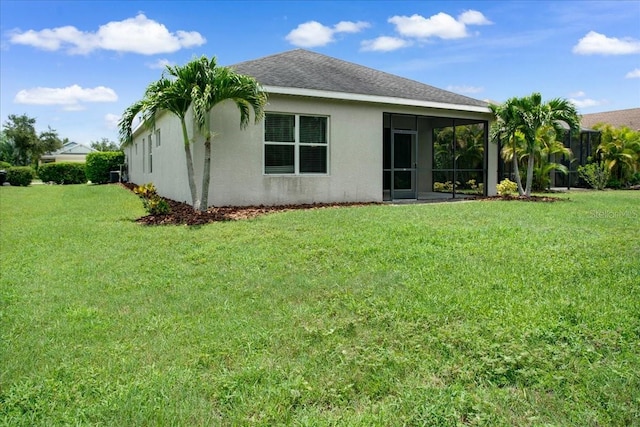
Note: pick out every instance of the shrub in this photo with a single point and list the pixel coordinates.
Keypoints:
(506, 187)
(614, 183)
(63, 173)
(635, 179)
(20, 175)
(594, 174)
(100, 165)
(4, 165)
(152, 202)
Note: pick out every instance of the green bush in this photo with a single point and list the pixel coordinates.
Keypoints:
(594, 174)
(20, 175)
(100, 165)
(635, 179)
(5, 165)
(63, 173)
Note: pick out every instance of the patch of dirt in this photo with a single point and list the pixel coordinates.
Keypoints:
(183, 214)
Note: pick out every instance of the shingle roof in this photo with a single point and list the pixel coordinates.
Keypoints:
(629, 118)
(303, 69)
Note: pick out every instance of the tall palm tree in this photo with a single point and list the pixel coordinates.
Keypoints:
(173, 95)
(505, 128)
(212, 85)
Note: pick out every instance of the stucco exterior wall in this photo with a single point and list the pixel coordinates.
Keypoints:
(237, 166)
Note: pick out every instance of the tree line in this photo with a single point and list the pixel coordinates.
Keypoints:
(21, 145)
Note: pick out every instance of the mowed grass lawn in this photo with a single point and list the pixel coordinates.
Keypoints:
(476, 313)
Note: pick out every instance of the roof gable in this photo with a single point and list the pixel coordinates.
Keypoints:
(303, 69)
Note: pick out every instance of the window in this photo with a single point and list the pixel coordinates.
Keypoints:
(150, 154)
(295, 144)
(157, 137)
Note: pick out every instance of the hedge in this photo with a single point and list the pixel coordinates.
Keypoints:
(63, 173)
(100, 164)
(20, 176)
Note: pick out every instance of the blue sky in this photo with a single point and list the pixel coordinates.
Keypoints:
(76, 65)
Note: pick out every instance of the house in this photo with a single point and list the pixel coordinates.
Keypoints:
(334, 131)
(70, 152)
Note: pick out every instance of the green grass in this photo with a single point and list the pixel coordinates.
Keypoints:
(482, 313)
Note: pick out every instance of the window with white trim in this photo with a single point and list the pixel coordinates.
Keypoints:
(157, 137)
(296, 144)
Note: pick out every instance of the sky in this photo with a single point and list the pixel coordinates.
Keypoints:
(76, 65)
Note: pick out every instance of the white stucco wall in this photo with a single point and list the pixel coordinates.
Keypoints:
(238, 179)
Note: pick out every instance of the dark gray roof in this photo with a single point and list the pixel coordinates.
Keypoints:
(303, 69)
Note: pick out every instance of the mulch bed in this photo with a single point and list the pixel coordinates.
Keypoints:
(183, 214)
(546, 199)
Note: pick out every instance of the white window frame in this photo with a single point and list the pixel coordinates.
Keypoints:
(157, 137)
(297, 144)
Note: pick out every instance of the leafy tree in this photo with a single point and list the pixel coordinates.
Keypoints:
(21, 132)
(527, 115)
(23, 144)
(619, 150)
(105, 144)
(48, 141)
(7, 149)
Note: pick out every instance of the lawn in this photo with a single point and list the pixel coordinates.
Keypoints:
(473, 313)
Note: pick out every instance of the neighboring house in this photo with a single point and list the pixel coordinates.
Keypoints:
(70, 152)
(618, 118)
(334, 131)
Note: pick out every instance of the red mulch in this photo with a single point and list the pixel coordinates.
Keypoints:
(183, 214)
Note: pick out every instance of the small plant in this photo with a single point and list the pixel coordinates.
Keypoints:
(152, 202)
(506, 187)
(444, 187)
(20, 176)
(595, 174)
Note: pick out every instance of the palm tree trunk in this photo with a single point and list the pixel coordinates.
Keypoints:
(206, 175)
(530, 164)
(516, 172)
(190, 174)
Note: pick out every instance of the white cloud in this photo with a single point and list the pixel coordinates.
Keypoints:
(111, 121)
(384, 44)
(585, 103)
(473, 17)
(160, 64)
(635, 74)
(313, 33)
(350, 27)
(70, 97)
(440, 25)
(595, 43)
(138, 35)
(580, 100)
(465, 89)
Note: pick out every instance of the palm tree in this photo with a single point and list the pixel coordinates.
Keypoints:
(212, 85)
(620, 151)
(528, 115)
(173, 95)
(505, 128)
